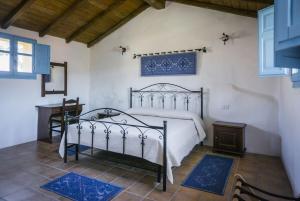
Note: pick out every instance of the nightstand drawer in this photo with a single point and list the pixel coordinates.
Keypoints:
(229, 137)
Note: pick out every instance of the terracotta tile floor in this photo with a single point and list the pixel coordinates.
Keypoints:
(24, 168)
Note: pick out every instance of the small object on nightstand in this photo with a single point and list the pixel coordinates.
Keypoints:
(229, 137)
(102, 115)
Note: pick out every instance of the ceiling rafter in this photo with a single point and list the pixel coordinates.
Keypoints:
(218, 7)
(98, 4)
(270, 2)
(157, 4)
(93, 20)
(61, 17)
(118, 25)
(16, 13)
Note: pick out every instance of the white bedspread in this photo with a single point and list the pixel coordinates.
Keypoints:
(184, 131)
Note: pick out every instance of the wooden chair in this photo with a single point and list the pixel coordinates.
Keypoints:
(243, 191)
(72, 107)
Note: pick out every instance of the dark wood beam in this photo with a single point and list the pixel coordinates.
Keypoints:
(98, 4)
(157, 4)
(118, 25)
(269, 2)
(93, 20)
(218, 7)
(17, 12)
(61, 17)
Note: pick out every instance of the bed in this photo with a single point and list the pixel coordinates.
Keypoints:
(159, 131)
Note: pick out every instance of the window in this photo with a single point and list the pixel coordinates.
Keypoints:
(5, 60)
(266, 44)
(17, 57)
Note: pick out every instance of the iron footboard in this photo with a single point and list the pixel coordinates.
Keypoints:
(106, 125)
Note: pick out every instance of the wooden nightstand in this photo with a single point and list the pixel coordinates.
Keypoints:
(102, 115)
(229, 137)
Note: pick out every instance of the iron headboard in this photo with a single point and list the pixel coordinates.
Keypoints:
(163, 90)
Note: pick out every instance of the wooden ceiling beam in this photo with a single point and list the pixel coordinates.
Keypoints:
(98, 4)
(61, 17)
(157, 4)
(212, 6)
(93, 20)
(16, 13)
(270, 2)
(118, 25)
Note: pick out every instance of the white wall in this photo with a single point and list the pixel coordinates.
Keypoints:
(228, 72)
(18, 98)
(289, 125)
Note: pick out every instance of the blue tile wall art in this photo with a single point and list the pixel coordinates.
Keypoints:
(169, 64)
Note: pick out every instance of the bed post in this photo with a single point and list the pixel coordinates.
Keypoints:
(165, 157)
(130, 100)
(201, 96)
(158, 173)
(66, 138)
(76, 151)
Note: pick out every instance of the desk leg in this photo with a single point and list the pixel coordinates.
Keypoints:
(44, 115)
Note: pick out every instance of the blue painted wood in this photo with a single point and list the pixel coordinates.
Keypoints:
(287, 33)
(14, 74)
(42, 59)
(171, 64)
(294, 24)
(289, 58)
(5, 74)
(281, 21)
(266, 44)
(295, 78)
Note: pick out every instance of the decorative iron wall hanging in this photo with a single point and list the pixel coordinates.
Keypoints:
(169, 64)
(203, 49)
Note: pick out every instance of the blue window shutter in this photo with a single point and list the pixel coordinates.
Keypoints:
(294, 26)
(42, 59)
(266, 43)
(295, 77)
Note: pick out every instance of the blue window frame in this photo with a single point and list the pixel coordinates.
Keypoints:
(17, 57)
(266, 44)
(295, 77)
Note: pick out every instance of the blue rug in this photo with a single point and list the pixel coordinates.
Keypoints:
(72, 151)
(81, 188)
(210, 174)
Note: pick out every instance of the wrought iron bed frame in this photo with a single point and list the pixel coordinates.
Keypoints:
(141, 126)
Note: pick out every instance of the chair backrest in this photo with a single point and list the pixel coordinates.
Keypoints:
(243, 191)
(71, 106)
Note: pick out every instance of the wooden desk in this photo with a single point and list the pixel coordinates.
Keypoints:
(45, 112)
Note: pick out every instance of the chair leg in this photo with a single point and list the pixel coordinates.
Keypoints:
(50, 130)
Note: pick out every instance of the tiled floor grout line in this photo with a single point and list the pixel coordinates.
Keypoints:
(55, 168)
(105, 171)
(37, 167)
(136, 181)
(147, 194)
(174, 194)
(142, 198)
(3, 196)
(49, 196)
(40, 175)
